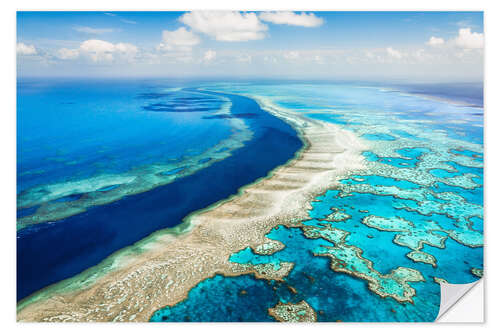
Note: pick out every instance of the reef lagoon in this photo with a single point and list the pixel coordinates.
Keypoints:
(103, 165)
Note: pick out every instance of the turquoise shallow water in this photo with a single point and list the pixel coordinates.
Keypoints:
(417, 205)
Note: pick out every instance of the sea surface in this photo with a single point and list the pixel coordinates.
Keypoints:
(102, 165)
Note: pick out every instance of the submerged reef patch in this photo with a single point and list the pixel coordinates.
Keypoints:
(152, 95)
(439, 280)
(477, 272)
(293, 313)
(168, 107)
(232, 116)
(419, 256)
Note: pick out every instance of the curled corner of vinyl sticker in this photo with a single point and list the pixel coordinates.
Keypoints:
(462, 303)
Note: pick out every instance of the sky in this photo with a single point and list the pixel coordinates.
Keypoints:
(418, 46)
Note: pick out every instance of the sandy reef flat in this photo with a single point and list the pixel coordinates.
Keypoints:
(160, 270)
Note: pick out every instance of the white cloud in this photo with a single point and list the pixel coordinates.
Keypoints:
(95, 31)
(100, 51)
(23, 49)
(465, 24)
(121, 19)
(435, 41)
(66, 54)
(178, 40)
(466, 39)
(126, 48)
(128, 21)
(226, 26)
(126, 51)
(291, 18)
(469, 40)
(394, 53)
(209, 55)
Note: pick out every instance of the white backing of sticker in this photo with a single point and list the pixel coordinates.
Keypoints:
(462, 303)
